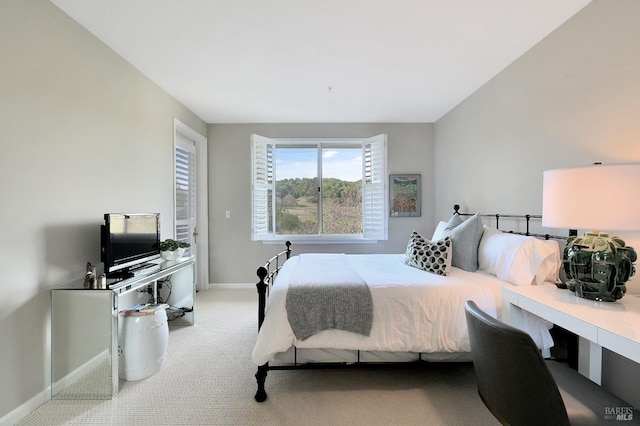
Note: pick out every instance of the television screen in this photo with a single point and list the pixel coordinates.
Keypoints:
(129, 239)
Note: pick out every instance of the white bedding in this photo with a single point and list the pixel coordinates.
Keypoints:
(414, 310)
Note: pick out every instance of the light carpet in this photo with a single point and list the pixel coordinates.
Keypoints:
(208, 379)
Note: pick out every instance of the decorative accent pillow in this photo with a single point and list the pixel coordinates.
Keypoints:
(518, 259)
(437, 234)
(465, 238)
(429, 256)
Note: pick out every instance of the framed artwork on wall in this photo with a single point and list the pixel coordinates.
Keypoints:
(404, 193)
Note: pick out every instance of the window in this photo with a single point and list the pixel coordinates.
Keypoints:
(311, 189)
(185, 190)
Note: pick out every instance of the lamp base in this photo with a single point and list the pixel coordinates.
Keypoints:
(596, 291)
(598, 266)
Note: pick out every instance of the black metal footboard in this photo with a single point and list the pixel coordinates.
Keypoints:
(267, 275)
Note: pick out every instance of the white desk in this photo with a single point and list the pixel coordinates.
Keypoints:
(612, 325)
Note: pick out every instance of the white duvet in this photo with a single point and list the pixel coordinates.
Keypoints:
(413, 310)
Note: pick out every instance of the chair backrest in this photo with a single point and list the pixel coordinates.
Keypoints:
(513, 380)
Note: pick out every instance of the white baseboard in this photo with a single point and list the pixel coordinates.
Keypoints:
(232, 286)
(42, 397)
(27, 408)
(80, 372)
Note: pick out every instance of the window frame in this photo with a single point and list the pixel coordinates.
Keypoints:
(375, 191)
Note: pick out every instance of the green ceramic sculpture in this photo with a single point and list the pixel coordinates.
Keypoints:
(598, 266)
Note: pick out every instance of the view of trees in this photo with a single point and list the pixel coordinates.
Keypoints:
(297, 206)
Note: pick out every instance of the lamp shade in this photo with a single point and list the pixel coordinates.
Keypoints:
(598, 197)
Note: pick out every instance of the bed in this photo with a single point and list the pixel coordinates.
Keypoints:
(344, 310)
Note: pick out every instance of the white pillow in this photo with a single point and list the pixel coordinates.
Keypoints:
(514, 258)
(550, 268)
(437, 234)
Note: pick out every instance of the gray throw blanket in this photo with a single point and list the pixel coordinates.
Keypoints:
(325, 293)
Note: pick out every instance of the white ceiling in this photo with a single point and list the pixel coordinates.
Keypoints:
(315, 61)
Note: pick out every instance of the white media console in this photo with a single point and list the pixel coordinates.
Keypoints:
(84, 326)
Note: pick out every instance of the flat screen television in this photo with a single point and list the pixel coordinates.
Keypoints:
(128, 240)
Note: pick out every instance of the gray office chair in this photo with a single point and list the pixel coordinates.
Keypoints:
(520, 388)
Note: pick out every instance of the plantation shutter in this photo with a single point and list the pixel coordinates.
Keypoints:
(185, 189)
(374, 188)
(262, 186)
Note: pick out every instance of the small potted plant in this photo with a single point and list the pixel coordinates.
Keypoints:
(172, 249)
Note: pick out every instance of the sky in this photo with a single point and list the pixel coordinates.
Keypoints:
(341, 163)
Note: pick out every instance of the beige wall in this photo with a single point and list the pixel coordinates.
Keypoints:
(82, 133)
(572, 100)
(234, 258)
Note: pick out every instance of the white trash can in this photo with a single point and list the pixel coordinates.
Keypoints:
(143, 338)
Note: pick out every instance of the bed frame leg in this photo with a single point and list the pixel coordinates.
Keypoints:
(261, 376)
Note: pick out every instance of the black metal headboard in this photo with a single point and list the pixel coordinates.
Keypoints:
(526, 217)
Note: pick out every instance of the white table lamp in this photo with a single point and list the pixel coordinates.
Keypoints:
(598, 197)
